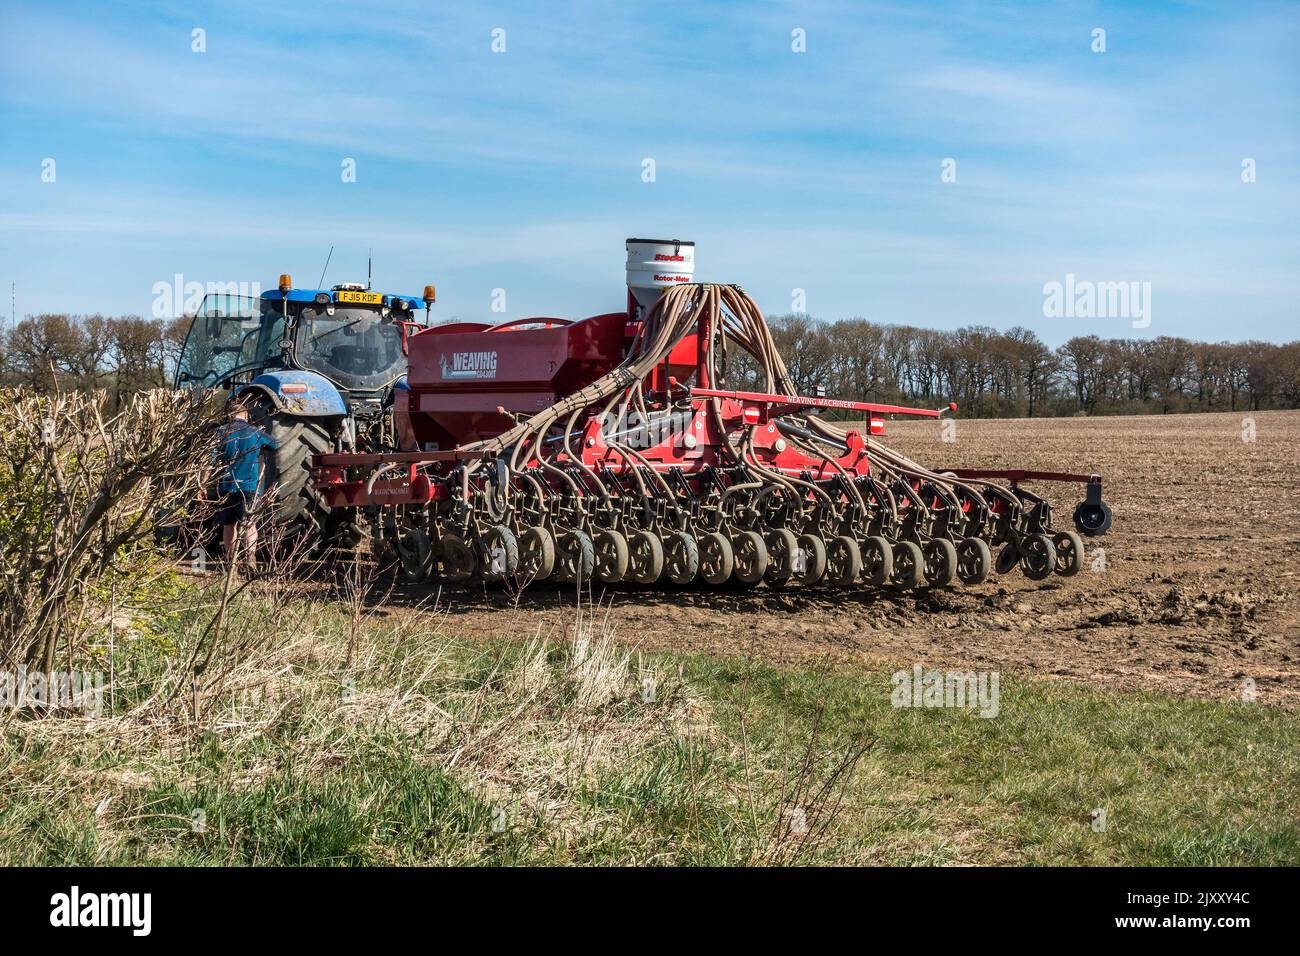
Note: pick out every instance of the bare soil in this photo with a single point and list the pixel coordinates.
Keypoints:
(1198, 592)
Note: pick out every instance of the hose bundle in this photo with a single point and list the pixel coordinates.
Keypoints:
(734, 319)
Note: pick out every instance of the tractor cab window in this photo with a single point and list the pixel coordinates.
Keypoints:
(223, 336)
(274, 327)
(357, 347)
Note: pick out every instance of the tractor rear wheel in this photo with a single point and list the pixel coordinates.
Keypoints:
(300, 515)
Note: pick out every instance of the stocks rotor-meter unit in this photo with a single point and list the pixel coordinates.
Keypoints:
(665, 444)
(319, 368)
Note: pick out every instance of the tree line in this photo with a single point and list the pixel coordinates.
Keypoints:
(77, 353)
(1014, 374)
(987, 372)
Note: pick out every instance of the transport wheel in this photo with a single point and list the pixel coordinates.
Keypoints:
(974, 561)
(681, 557)
(611, 557)
(536, 553)
(843, 561)
(415, 552)
(575, 558)
(1069, 553)
(458, 561)
(500, 554)
(782, 552)
(814, 560)
(717, 560)
(647, 557)
(1093, 518)
(1008, 558)
(1037, 557)
(909, 565)
(940, 562)
(877, 561)
(751, 558)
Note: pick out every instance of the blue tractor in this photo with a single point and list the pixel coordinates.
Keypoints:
(319, 367)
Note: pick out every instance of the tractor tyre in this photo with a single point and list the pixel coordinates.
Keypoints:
(301, 517)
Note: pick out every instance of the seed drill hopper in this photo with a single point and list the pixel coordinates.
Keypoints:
(666, 445)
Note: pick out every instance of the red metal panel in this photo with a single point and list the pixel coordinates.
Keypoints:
(461, 373)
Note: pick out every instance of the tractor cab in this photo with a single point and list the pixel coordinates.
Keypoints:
(350, 336)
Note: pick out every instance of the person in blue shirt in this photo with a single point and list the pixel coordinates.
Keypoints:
(238, 456)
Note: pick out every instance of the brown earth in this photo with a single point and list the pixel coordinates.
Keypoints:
(1197, 593)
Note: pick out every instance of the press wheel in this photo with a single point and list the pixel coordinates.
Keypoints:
(612, 556)
(647, 557)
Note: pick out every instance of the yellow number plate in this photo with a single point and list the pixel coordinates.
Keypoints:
(365, 298)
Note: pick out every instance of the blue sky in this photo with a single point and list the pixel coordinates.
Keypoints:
(522, 170)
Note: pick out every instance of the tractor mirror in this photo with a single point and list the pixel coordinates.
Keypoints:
(212, 325)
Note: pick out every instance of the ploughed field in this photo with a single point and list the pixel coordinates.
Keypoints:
(1198, 591)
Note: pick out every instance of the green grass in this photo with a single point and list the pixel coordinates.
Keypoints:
(1182, 781)
(453, 752)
